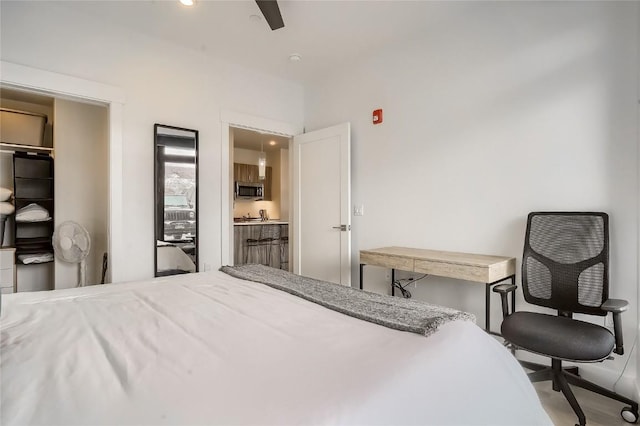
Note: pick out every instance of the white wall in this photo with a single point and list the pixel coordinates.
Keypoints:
(638, 177)
(81, 182)
(497, 110)
(163, 83)
(284, 184)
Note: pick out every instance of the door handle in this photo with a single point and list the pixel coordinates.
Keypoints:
(342, 227)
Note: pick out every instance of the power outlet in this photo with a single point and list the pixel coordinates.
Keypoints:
(207, 267)
(387, 275)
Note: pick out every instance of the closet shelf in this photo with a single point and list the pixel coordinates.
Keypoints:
(15, 147)
(19, 262)
(35, 222)
(34, 251)
(33, 178)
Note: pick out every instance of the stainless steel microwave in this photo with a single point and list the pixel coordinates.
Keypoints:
(249, 191)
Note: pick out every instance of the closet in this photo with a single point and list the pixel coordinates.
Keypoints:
(64, 172)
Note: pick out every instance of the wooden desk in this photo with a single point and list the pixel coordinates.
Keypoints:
(480, 268)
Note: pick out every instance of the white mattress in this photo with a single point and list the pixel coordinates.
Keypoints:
(211, 349)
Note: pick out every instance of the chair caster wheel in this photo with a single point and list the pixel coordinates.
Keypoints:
(629, 415)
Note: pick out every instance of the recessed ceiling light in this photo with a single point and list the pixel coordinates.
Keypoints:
(295, 57)
(188, 2)
(272, 143)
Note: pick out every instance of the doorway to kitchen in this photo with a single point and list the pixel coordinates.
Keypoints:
(260, 194)
(318, 147)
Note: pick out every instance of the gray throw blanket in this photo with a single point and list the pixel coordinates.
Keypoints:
(393, 312)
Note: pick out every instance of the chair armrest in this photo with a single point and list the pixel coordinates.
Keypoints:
(616, 307)
(504, 290)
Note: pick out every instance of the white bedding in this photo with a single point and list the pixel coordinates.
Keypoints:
(170, 257)
(211, 349)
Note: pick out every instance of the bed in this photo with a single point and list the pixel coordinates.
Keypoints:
(209, 348)
(172, 260)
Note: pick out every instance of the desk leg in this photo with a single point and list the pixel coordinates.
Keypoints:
(487, 308)
(393, 280)
(361, 274)
(513, 295)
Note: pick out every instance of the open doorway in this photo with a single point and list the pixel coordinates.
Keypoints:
(260, 198)
(48, 83)
(55, 170)
(311, 230)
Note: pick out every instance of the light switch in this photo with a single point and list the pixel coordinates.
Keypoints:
(358, 210)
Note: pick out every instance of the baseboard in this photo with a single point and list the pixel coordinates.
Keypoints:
(595, 372)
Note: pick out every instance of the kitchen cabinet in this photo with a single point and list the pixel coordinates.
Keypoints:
(260, 242)
(245, 172)
(249, 173)
(267, 184)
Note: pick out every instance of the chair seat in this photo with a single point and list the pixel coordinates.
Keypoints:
(558, 337)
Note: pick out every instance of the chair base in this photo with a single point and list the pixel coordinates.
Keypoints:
(538, 367)
(561, 379)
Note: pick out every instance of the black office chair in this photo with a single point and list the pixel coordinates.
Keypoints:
(565, 266)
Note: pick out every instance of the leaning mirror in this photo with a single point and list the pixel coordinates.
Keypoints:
(176, 200)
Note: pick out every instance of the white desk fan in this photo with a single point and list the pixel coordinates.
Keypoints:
(71, 243)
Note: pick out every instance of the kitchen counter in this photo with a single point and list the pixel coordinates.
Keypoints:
(262, 222)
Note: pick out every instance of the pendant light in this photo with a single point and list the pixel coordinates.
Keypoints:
(262, 162)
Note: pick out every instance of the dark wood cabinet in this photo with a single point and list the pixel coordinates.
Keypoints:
(245, 172)
(263, 243)
(268, 187)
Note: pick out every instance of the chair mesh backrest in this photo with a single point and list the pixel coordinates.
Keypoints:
(565, 265)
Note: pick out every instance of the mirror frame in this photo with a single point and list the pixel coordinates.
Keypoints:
(155, 195)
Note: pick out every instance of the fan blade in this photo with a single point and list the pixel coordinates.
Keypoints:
(66, 230)
(65, 242)
(82, 242)
(271, 12)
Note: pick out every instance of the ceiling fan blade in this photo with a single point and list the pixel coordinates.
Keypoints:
(271, 12)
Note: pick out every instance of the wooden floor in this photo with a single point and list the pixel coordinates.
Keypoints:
(599, 411)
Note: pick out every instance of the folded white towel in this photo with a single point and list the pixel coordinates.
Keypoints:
(5, 193)
(35, 258)
(6, 208)
(32, 213)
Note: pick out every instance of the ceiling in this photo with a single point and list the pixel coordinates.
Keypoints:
(249, 139)
(326, 34)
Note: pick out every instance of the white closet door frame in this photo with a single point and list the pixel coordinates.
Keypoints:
(67, 87)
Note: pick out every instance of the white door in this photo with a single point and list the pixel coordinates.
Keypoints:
(321, 204)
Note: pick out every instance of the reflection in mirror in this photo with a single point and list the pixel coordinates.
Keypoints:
(176, 200)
